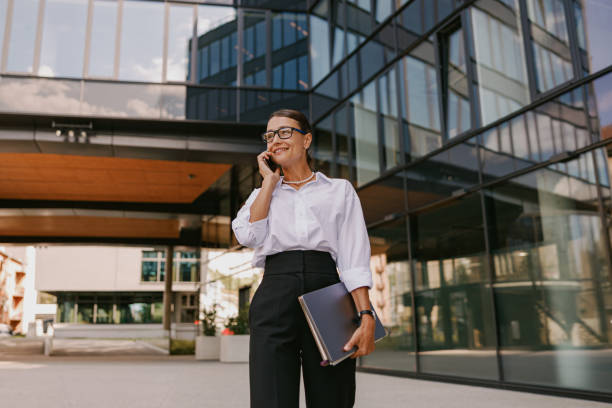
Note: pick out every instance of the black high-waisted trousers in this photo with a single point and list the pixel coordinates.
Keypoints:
(281, 340)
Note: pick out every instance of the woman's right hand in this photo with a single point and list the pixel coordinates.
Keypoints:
(264, 170)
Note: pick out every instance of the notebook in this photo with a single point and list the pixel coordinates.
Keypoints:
(332, 316)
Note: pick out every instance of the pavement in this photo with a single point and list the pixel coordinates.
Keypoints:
(155, 380)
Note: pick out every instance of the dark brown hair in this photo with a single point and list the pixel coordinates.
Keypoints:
(301, 119)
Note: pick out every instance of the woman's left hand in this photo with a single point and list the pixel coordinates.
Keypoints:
(363, 338)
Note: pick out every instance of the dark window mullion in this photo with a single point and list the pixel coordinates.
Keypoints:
(528, 49)
(472, 77)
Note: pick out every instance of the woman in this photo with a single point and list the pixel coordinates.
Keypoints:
(302, 225)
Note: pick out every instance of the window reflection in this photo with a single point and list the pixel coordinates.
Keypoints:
(500, 63)
(549, 255)
(551, 129)
(254, 49)
(141, 44)
(452, 293)
(366, 134)
(550, 43)
(322, 146)
(592, 27)
(3, 8)
(420, 102)
(180, 31)
(217, 46)
(63, 41)
(319, 43)
(103, 34)
(391, 297)
(390, 126)
(456, 92)
(342, 143)
(22, 36)
(289, 51)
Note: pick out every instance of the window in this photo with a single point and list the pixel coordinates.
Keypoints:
(180, 31)
(367, 162)
(500, 64)
(455, 84)
(141, 44)
(22, 36)
(3, 7)
(319, 44)
(255, 45)
(217, 44)
(550, 43)
(63, 40)
(153, 266)
(103, 34)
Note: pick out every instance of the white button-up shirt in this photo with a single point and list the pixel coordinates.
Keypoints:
(323, 215)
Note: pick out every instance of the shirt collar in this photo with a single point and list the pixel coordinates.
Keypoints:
(320, 177)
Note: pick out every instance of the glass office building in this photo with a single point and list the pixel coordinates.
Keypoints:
(476, 132)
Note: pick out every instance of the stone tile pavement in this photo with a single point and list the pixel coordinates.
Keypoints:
(159, 381)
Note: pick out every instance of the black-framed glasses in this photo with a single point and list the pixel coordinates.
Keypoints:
(283, 133)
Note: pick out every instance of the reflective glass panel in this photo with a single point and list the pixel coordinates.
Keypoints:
(552, 286)
(180, 31)
(3, 6)
(63, 41)
(85, 312)
(65, 310)
(141, 44)
(592, 25)
(217, 45)
(103, 34)
(289, 51)
(456, 92)
(453, 298)
(319, 43)
(149, 272)
(23, 36)
(420, 102)
(391, 296)
(387, 85)
(499, 62)
(367, 163)
(550, 43)
(254, 50)
(443, 175)
(342, 143)
(321, 146)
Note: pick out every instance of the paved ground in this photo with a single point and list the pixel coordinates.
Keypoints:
(159, 381)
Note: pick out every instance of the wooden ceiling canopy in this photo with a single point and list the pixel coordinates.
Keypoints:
(42, 176)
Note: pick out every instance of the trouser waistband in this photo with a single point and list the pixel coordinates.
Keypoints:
(306, 261)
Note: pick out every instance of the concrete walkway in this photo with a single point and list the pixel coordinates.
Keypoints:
(181, 382)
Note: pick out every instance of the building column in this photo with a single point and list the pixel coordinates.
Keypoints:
(168, 287)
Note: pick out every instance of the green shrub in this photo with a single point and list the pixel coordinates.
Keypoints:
(239, 324)
(209, 327)
(182, 347)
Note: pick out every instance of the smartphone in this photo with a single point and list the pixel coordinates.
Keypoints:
(271, 164)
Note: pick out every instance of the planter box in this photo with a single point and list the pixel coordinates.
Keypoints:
(235, 349)
(207, 347)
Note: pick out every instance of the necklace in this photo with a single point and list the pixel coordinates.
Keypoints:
(299, 181)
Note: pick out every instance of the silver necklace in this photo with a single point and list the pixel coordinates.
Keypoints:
(299, 181)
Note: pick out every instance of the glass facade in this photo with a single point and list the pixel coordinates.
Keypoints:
(153, 266)
(477, 134)
(110, 308)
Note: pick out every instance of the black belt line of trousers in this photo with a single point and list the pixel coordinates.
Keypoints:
(281, 341)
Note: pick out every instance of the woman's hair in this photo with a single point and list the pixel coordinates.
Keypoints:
(301, 119)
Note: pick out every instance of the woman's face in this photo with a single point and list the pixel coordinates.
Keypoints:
(287, 152)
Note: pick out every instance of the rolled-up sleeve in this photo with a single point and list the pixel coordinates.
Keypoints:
(353, 258)
(249, 234)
